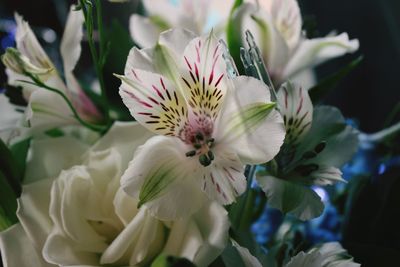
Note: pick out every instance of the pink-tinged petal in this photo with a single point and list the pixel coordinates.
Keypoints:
(248, 122)
(163, 178)
(204, 76)
(154, 102)
(297, 110)
(224, 180)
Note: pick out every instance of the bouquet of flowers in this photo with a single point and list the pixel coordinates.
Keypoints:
(225, 119)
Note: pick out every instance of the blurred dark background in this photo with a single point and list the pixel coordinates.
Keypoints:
(367, 95)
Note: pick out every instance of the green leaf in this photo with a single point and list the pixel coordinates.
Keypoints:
(170, 261)
(329, 83)
(20, 152)
(10, 169)
(231, 257)
(8, 204)
(234, 38)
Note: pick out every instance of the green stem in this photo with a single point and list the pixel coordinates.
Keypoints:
(87, 11)
(38, 82)
(247, 210)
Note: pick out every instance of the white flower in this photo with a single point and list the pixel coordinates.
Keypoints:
(198, 16)
(318, 142)
(83, 218)
(328, 255)
(47, 109)
(276, 27)
(208, 125)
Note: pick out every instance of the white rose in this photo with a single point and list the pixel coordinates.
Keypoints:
(83, 218)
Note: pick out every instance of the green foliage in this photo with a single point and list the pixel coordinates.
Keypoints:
(319, 91)
(234, 39)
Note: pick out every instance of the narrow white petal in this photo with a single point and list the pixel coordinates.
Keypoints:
(212, 221)
(71, 40)
(297, 110)
(137, 243)
(316, 51)
(248, 259)
(162, 178)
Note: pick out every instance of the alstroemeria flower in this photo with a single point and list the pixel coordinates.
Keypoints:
(318, 142)
(79, 216)
(276, 26)
(46, 109)
(208, 124)
(198, 16)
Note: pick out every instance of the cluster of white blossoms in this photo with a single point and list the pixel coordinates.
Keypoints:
(161, 185)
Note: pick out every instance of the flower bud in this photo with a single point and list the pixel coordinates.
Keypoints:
(17, 62)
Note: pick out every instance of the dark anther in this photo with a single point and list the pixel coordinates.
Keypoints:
(199, 136)
(290, 121)
(211, 140)
(191, 153)
(204, 160)
(321, 146)
(197, 146)
(210, 155)
(306, 170)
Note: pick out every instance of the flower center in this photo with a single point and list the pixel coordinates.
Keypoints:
(199, 135)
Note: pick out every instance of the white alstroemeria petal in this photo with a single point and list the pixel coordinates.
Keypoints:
(46, 162)
(248, 259)
(184, 239)
(48, 110)
(59, 249)
(154, 102)
(9, 123)
(33, 211)
(315, 51)
(339, 140)
(143, 31)
(224, 180)
(329, 254)
(163, 9)
(17, 250)
(297, 109)
(204, 76)
(168, 53)
(137, 243)
(213, 223)
(29, 46)
(71, 41)
(326, 175)
(124, 137)
(268, 38)
(248, 122)
(287, 19)
(162, 177)
(292, 198)
(139, 59)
